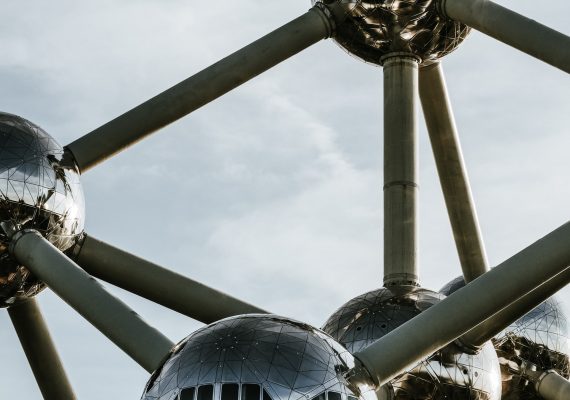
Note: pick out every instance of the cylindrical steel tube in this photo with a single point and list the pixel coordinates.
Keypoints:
(552, 386)
(452, 172)
(511, 28)
(477, 336)
(400, 170)
(444, 322)
(200, 89)
(40, 351)
(158, 284)
(146, 345)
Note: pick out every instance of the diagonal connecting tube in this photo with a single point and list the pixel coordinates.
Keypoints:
(146, 345)
(550, 386)
(202, 88)
(511, 28)
(158, 284)
(444, 322)
(40, 351)
(452, 172)
(484, 332)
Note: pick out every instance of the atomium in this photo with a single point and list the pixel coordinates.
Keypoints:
(537, 340)
(266, 357)
(263, 357)
(375, 28)
(447, 374)
(35, 193)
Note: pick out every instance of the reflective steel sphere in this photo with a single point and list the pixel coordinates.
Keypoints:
(263, 357)
(35, 193)
(539, 338)
(447, 374)
(375, 28)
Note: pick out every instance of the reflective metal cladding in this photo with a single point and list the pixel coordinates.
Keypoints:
(35, 193)
(447, 374)
(375, 28)
(538, 339)
(263, 357)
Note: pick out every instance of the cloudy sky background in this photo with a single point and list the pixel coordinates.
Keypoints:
(273, 192)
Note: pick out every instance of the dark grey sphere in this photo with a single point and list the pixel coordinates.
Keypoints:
(447, 374)
(375, 28)
(540, 338)
(35, 193)
(263, 357)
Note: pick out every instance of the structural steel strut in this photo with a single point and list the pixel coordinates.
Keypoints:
(158, 284)
(200, 89)
(452, 172)
(400, 170)
(511, 28)
(143, 343)
(447, 320)
(40, 351)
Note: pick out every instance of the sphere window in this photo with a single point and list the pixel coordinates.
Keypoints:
(334, 396)
(205, 392)
(250, 392)
(187, 394)
(230, 391)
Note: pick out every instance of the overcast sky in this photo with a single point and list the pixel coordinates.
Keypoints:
(273, 192)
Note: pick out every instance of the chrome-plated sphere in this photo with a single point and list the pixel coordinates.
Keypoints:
(447, 374)
(374, 28)
(35, 193)
(539, 338)
(263, 357)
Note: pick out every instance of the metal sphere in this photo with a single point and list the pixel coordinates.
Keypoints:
(447, 374)
(263, 357)
(375, 28)
(539, 338)
(35, 193)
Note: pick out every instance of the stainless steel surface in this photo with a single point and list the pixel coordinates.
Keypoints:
(511, 28)
(552, 386)
(157, 284)
(35, 193)
(452, 172)
(493, 326)
(444, 322)
(375, 28)
(112, 317)
(283, 358)
(539, 338)
(400, 170)
(40, 351)
(200, 89)
(447, 374)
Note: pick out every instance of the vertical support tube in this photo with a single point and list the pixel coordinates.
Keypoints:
(40, 351)
(452, 172)
(124, 327)
(400, 169)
